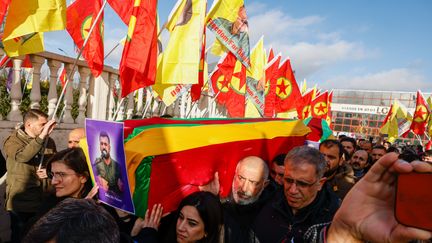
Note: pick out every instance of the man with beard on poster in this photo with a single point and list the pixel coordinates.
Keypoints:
(340, 175)
(108, 170)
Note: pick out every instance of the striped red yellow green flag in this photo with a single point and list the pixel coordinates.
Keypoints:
(169, 159)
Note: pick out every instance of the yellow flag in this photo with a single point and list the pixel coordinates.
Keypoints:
(181, 58)
(398, 123)
(304, 87)
(31, 43)
(255, 99)
(429, 125)
(218, 49)
(227, 19)
(28, 17)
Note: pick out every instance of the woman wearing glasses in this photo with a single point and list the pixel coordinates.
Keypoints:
(69, 174)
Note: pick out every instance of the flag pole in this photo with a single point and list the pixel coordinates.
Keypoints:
(70, 75)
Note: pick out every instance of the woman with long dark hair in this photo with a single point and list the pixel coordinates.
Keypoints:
(198, 218)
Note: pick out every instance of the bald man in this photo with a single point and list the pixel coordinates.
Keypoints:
(75, 136)
(247, 198)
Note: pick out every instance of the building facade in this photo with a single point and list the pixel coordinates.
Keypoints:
(360, 113)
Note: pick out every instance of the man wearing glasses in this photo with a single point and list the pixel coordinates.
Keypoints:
(302, 209)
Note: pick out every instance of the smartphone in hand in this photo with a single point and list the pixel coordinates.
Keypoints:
(414, 200)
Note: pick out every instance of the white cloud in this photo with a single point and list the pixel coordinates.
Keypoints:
(306, 40)
(399, 79)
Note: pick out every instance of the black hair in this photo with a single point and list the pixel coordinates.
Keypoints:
(279, 159)
(104, 134)
(379, 147)
(75, 160)
(75, 220)
(349, 139)
(333, 142)
(209, 209)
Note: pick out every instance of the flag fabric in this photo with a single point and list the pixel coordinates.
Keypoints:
(287, 90)
(256, 73)
(398, 121)
(421, 115)
(271, 72)
(81, 15)
(319, 106)
(179, 149)
(139, 58)
(304, 87)
(429, 125)
(202, 72)
(227, 19)
(320, 129)
(5, 61)
(270, 55)
(169, 93)
(123, 8)
(329, 111)
(63, 77)
(304, 105)
(25, 22)
(228, 83)
(181, 57)
(4, 5)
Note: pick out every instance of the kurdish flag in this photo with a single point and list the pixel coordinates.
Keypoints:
(169, 159)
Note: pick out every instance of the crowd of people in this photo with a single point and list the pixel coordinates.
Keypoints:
(333, 193)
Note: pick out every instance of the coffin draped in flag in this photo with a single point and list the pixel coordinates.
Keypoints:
(178, 158)
(139, 58)
(81, 15)
(27, 20)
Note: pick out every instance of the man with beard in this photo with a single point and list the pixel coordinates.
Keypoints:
(349, 144)
(302, 209)
(108, 169)
(340, 176)
(378, 151)
(248, 195)
(359, 162)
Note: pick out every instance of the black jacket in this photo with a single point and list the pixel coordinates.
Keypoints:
(238, 219)
(277, 223)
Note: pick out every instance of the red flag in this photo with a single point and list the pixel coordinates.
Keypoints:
(229, 84)
(287, 90)
(4, 5)
(329, 114)
(304, 105)
(63, 77)
(319, 106)
(4, 62)
(25, 64)
(123, 8)
(270, 55)
(139, 58)
(418, 125)
(270, 86)
(80, 17)
(196, 88)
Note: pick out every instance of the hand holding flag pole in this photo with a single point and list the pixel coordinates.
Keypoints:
(70, 75)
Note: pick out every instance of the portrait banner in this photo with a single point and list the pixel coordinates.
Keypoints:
(107, 163)
(228, 21)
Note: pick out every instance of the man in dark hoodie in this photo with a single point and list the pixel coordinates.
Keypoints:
(250, 191)
(302, 209)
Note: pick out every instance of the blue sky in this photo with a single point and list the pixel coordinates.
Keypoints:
(377, 45)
